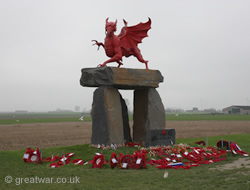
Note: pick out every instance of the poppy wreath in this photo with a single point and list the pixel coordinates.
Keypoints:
(190, 156)
(32, 156)
(140, 160)
(77, 162)
(98, 161)
(132, 144)
(56, 165)
(235, 149)
(27, 155)
(179, 149)
(66, 160)
(63, 160)
(67, 157)
(144, 151)
(152, 162)
(70, 154)
(113, 160)
(177, 159)
(200, 143)
(197, 152)
(224, 143)
(51, 159)
(218, 153)
(60, 163)
(127, 161)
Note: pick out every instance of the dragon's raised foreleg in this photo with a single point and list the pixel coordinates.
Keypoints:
(98, 44)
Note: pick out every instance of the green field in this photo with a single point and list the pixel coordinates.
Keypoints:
(21, 118)
(106, 178)
(14, 118)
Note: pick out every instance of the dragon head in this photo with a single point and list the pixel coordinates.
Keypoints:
(110, 27)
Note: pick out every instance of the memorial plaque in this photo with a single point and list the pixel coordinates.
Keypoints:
(161, 137)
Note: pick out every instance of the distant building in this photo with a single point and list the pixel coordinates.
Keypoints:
(236, 110)
(174, 110)
(58, 110)
(194, 110)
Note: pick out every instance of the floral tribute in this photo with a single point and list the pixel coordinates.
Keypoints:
(113, 160)
(127, 161)
(103, 147)
(98, 161)
(140, 159)
(234, 147)
(32, 156)
(162, 157)
(64, 159)
(132, 144)
(51, 159)
(77, 162)
(222, 144)
(200, 143)
(183, 156)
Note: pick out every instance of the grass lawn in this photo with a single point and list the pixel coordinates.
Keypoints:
(21, 118)
(106, 178)
(41, 120)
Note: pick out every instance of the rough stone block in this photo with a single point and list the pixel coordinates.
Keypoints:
(107, 122)
(121, 78)
(149, 113)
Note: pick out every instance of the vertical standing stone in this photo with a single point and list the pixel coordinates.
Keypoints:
(107, 123)
(149, 114)
(156, 111)
(140, 115)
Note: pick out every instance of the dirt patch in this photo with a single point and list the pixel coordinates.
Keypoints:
(240, 163)
(21, 136)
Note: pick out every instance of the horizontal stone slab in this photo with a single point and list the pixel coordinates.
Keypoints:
(121, 78)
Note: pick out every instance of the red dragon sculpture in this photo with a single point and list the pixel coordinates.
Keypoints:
(125, 44)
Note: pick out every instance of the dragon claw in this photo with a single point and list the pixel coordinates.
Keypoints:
(97, 43)
(101, 65)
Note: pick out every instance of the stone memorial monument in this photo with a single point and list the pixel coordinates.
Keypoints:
(110, 122)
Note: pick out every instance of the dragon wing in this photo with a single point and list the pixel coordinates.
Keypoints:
(131, 36)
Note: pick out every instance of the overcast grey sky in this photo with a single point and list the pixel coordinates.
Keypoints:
(202, 49)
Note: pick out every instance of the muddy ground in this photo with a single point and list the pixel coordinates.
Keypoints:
(21, 136)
